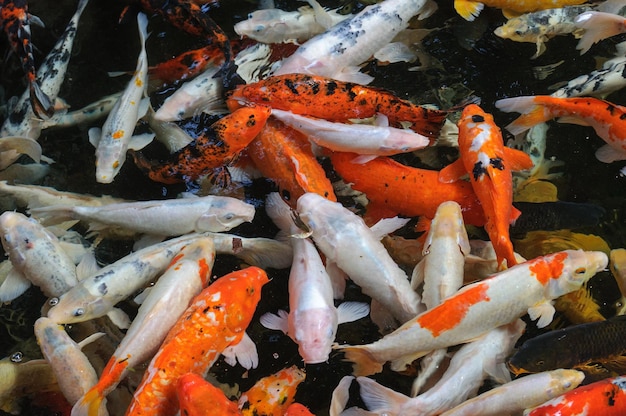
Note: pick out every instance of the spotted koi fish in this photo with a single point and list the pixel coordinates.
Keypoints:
(15, 21)
(215, 320)
(216, 147)
(273, 394)
(482, 306)
(489, 164)
(333, 100)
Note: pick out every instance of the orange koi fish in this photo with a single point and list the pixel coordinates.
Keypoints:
(273, 394)
(186, 65)
(470, 9)
(297, 409)
(607, 119)
(333, 100)
(284, 155)
(15, 21)
(489, 164)
(404, 190)
(216, 147)
(606, 397)
(198, 397)
(216, 320)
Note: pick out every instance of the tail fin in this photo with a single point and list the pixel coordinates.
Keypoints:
(598, 26)
(89, 404)
(364, 362)
(532, 113)
(42, 104)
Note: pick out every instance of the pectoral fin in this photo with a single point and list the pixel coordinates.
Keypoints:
(243, 352)
(544, 311)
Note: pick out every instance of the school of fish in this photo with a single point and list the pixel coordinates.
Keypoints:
(262, 219)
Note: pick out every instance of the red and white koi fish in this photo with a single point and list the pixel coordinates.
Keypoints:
(337, 52)
(37, 255)
(73, 370)
(482, 306)
(313, 318)
(598, 25)
(216, 320)
(116, 136)
(170, 217)
(198, 397)
(607, 119)
(273, 394)
(489, 164)
(515, 396)
(188, 274)
(366, 139)
(346, 240)
(606, 397)
(462, 379)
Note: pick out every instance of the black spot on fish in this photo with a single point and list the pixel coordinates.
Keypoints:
(477, 118)
(611, 109)
(496, 162)
(103, 289)
(479, 170)
(103, 275)
(610, 396)
(331, 87)
(292, 87)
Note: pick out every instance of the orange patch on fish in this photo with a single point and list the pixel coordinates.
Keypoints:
(118, 134)
(544, 271)
(449, 314)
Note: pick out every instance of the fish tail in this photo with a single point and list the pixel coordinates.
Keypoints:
(468, 10)
(598, 26)
(532, 112)
(42, 104)
(89, 404)
(364, 362)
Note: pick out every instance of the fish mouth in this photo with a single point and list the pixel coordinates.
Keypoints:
(516, 370)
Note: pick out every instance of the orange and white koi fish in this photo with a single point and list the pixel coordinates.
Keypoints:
(598, 25)
(470, 9)
(273, 394)
(198, 397)
(482, 306)
(606, 397)
(607, 119)
(217, 319)
(188, 274)
(489, 164)
(515, 396)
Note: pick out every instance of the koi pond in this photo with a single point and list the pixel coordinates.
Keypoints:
(455, 61)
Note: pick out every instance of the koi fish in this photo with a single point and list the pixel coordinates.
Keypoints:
(606, 397)
(515, 396)
(617, 265)
(115, 137)
(404, 190)
(489, 164)
(18, 380)
(284, 155)
(15, 21)
(216, 147)
(607, 119)
(184, 66)
(273, 394)
(344, 239)
(170, 217)
(215, 320)
(198, 397)
(332, 100)
(297, 409)
(598, 26)
(337, 52)
(470, 9)
(482, 306)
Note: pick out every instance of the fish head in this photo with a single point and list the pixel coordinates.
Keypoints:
(78, 305)
(243, 288)
(515, 29)
(564, 381)
(571, 269)
(536, 355)
(267, 25)
(314, 333)
(224, 214)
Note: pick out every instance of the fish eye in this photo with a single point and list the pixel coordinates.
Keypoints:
(79, 312)
(53, 301)
(229, 216)
(540, 363)
(17, 357)
(580, 270)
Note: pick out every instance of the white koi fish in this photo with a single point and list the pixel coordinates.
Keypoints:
(170, 134)
(598, 26)
(115, 137)
(170, 217)
(90, 112)
(37, 254)
(522, 393)
(201, 94)
(313, 318)
(187, 275)
(462, 379)
(337, 52)
(528, 287)
(365, 139)
(346, 240)
(71, 367)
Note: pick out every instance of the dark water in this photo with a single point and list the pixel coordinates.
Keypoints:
(466, 58)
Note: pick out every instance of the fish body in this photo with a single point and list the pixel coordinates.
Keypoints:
(519, 394)
(170, 217)
(184, 66)
(405, 190)
(606, 397)
(332, 100)
(345, 240)
(337, 52)
(482, 306)
(489, 164)
(198, 397)
(113, 140)
(607, 119)
(215, 148)
(216, 319)
(15, 21)
(273, 394)
(188, 274)
(470, 9)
